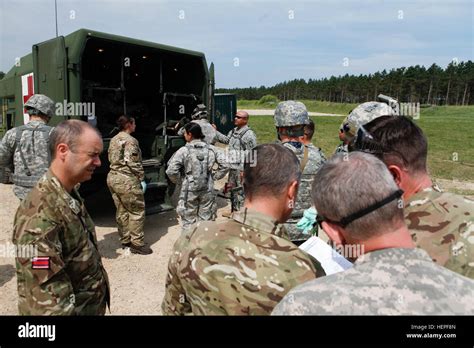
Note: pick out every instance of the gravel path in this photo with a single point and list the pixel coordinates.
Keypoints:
(136, 281)
(266, 112)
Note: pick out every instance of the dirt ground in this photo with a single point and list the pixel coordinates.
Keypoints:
(137, 281)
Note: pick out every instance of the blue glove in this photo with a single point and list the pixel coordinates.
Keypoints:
(307, 221)
(143, 183)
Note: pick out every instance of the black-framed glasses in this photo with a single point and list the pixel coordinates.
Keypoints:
(358, 214)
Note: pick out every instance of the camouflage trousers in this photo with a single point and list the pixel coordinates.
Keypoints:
(195, 206)
(130, 203)
(237, 193)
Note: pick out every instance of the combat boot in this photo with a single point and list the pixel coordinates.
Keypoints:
(227, 213)
(141, 250)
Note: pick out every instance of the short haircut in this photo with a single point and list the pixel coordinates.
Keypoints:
(309, 129)
(348, 183)
(123, 120)
(273, 168)
(194, 129)
(403, 142)
(68, 132)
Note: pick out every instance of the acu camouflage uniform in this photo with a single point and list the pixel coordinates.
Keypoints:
(124, 182)
(57, 224)
(239, 140)
(392, 281)
(293, 114)
(442, 224)
(193, 164)
(243, 266)
(25, 151)
(312, 158)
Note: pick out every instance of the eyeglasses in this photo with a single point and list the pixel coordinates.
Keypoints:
(357, 215)
(239, 117)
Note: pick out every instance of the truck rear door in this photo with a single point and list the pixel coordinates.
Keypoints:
(50, 69)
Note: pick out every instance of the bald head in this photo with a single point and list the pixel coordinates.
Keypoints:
(241, 118)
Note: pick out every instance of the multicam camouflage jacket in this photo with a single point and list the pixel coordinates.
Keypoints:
(66, 277)
(243, 266)
(125, 156)
(392, 281)
(28, 156)
(442, 224)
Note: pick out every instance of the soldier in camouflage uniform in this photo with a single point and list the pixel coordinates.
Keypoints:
(441, 223)
(25, 149)
(126, 182)
(199, 116)
(290, 119)
(241, 139)
(193, 165)
(66, 276)
(362, 114)
(391, 276)
(245, 265)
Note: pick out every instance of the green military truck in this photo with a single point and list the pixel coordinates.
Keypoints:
(97, 77)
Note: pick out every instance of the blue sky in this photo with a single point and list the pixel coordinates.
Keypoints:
(272, 40)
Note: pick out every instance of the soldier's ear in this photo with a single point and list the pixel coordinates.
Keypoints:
(397, 174)
(61, 151)
(334, 233)
(293, 190)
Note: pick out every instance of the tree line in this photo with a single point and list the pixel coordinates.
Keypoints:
(453, 85)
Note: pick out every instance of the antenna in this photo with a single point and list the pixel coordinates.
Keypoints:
(56, 15)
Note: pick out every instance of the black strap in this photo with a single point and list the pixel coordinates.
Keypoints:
(347, 220)
(19, 132)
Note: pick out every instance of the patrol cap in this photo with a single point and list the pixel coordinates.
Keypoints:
(290, 113)
(41, 103)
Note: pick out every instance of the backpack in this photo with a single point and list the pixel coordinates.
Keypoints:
(196, 166)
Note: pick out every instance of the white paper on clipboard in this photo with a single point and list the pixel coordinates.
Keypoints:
(331, 261)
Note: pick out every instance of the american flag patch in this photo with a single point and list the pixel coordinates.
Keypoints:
(40, 262)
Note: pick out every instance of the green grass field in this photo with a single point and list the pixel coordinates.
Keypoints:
(450, 132)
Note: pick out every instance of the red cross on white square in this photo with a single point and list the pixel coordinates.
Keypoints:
(27, 90)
